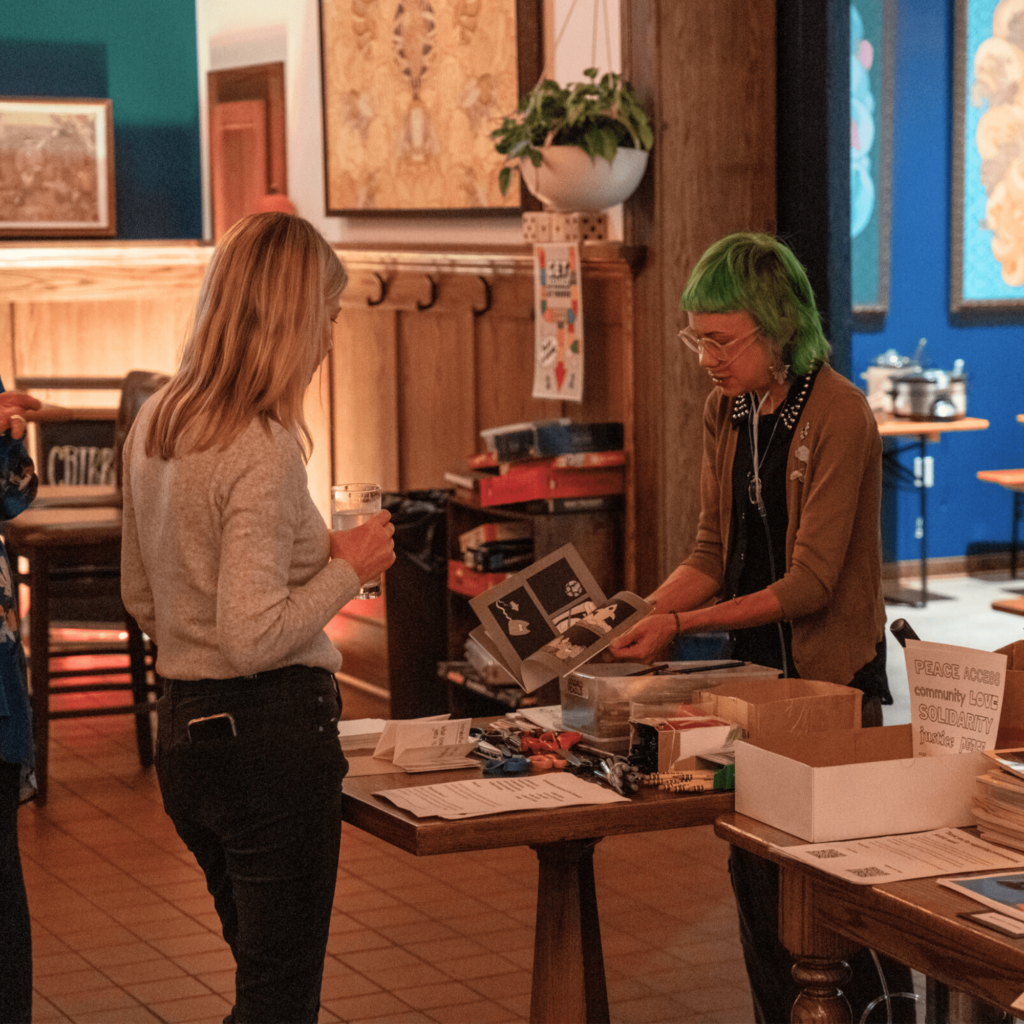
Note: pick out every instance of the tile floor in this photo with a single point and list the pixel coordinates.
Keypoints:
(124, 929)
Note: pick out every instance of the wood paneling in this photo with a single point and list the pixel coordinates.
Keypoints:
(708, 73)
(364, 397)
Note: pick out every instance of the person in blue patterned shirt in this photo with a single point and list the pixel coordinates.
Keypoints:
(17, 783)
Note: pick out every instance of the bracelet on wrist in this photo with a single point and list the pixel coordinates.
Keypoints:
(679, 629)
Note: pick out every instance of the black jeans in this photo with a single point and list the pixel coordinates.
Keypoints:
(261, 812)
(15, 926)
(755, 884)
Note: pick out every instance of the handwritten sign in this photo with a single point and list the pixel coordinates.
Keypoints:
(956, 695)
(558, 348)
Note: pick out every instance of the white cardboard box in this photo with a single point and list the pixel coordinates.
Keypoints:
(853, 783)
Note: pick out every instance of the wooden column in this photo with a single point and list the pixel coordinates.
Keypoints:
(707, 70)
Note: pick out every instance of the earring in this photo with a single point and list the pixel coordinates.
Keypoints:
(780, 373)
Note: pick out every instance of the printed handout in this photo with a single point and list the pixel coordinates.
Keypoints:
(1003, 891)
(914, 855)
(475, 797)
(551, 618)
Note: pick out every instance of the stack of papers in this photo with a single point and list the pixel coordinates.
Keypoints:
(475, 797)
(998, 801)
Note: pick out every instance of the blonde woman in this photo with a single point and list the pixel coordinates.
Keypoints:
(228, 565)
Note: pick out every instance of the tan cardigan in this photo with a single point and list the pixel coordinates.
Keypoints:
(831, 592)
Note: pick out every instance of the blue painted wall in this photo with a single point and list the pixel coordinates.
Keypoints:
(142, 55)
(963, 513)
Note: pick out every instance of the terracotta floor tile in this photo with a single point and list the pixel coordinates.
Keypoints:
(57, 963)
(356, 941)
(222, 982)
(181, 945)
(115, 956)
(346, 986)
(376, 1004)
(448, 993)
(455, 948)
(135, 1014)
(494, 986)
(44, 1012)
(208, 960)
(194, 1009)
(95, 938)
(143, 971)
(55, 985)
(467, 968)
(95, 1001)
(471, 1013)
(412, 935)
(166, 989)
(651, 1009)
(168, 927)
(399, 913)
(405, 1017)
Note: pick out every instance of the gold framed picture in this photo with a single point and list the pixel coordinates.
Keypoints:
(411, 92)
(56, 168)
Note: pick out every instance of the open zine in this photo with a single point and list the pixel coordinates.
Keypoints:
(551, 618)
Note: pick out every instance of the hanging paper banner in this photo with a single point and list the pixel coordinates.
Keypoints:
(558, 297)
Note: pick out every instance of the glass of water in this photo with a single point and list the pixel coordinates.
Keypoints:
(351, 505)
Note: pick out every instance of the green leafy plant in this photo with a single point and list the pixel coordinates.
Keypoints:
(597, 116)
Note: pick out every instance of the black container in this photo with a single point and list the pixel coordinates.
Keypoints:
(416, 603)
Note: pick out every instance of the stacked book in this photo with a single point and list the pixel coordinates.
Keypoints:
(489, 554)
(551, 466)
(998, 801)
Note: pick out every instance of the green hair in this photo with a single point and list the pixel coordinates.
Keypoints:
(757, 274)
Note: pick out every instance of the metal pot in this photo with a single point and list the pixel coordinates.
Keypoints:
(929, 395)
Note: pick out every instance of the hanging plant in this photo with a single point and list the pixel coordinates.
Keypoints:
(596, 116)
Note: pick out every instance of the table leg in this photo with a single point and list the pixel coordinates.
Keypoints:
(568, 963)
(820, 968)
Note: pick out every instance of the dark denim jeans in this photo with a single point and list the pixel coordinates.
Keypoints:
(261, 812)
(15, 927)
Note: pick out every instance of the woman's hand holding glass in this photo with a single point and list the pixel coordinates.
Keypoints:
(646, 639)
(369, 548)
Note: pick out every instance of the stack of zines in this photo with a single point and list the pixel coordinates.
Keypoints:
(998, 801)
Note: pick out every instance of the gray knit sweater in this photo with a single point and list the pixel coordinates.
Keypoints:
(225, 559)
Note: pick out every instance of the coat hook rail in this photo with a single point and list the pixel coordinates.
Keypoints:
(421, 306)
(383, 290)
(487, 297)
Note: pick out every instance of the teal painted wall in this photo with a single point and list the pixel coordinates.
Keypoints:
(142, 55)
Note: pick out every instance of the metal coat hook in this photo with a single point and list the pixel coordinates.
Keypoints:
(421, 306)
(487, 297)
(383, 290)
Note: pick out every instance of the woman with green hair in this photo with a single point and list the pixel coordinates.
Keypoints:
(788, 551)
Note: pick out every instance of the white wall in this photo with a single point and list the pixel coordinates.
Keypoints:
(236, 33)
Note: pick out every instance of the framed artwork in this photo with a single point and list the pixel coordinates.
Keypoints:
(411, 92)
(872, 49)
(987, 239)
(56, 168)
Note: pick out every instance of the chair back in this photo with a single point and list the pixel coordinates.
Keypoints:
(137, 386)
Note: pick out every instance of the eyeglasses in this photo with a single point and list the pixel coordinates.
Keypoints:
(722, 352)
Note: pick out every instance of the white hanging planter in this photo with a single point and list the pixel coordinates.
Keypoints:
(568, 180)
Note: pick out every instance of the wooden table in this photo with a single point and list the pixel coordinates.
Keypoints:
(922, 431)
(822, 919)
(568, 964)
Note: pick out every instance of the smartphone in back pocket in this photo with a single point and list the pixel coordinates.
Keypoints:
(212, 727)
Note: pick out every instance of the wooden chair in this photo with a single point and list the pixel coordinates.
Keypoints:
(74, 556)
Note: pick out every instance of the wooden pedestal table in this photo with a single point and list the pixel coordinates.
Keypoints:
(568, 964)
(922, 431)
(974, 974)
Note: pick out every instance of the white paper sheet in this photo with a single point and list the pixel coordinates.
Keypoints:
(883, 859)
(476, 797)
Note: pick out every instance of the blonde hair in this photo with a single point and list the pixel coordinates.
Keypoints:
(260, 329)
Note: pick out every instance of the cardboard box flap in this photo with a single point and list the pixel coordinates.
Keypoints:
(785, 706)
(844, 746)
(1011, 717)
